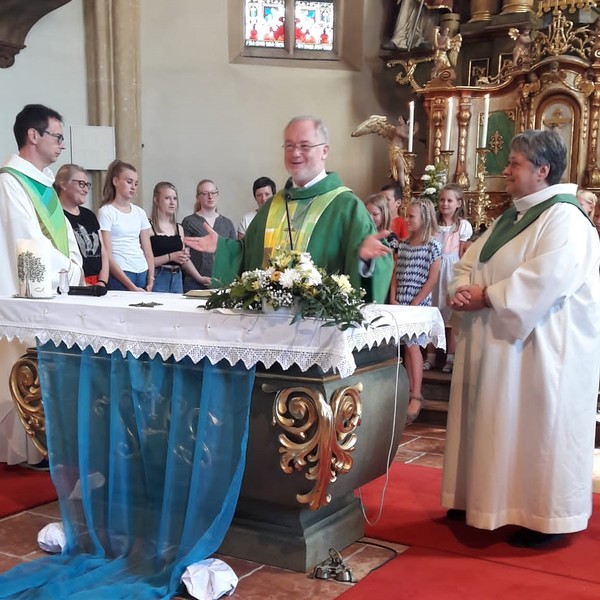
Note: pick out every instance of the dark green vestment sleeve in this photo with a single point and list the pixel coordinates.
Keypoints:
(333, 245)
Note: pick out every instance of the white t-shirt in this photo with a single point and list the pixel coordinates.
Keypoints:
(125, 229)
(246, 220)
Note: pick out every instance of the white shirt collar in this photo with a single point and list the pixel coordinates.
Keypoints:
(526, 202)
(318, 178)
(46, 177)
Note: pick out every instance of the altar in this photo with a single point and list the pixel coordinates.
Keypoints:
(322, 412)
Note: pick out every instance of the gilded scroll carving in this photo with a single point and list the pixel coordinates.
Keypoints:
(318, 437)
(25, 390)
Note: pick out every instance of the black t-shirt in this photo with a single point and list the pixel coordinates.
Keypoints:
(87, 233)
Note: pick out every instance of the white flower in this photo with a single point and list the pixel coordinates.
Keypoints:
(288, 278)
(343, 282)
(292, 277)
(429, 169)
(429, 191)
(425, 177)
(313, 277)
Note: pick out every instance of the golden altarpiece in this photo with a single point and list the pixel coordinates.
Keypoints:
(542, 71)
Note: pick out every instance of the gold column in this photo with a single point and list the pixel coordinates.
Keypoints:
(437, 108)
(464, 118)
(592, 170)
(482, 10)
(113, 74)
(517, 6)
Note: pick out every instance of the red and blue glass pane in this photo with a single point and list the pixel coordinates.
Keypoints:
(264, 22)
(314, 25)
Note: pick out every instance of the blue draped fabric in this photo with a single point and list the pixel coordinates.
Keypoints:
(147, 457)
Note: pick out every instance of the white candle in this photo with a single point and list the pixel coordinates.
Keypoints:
(33, 268)
(486, 117)
(449, 116)
(411, 124)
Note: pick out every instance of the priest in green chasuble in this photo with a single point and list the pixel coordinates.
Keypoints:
(313, 213)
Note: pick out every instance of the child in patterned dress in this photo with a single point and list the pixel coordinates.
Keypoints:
(417, 271)
(454, 231)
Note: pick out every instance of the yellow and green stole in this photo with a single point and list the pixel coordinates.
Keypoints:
(47, 207)
(303, 217)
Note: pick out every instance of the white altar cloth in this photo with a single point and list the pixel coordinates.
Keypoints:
(178, 328)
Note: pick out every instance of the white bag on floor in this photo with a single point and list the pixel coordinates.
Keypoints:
(52, 538)
(209, 579)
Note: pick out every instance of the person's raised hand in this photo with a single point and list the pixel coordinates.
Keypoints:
(207, 243)
(372, 247)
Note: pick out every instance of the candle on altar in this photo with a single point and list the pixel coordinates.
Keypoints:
(411, 124)
(448, 123)
(486, 117)
(34, 268)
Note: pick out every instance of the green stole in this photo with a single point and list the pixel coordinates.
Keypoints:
(303, 218)
(507, 228)
(47, 207)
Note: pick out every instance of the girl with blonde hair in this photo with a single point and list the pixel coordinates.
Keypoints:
(125, 231)
(417, 272)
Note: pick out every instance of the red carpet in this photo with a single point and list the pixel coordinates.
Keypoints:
(443, 550)
(425, 574)
(22, 488)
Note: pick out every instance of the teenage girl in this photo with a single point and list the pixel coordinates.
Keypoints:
(378, 208)
(125, 231)
(417, 271)
(454, 231)
(171, 258)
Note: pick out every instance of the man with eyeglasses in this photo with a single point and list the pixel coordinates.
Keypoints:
(29, 209)
(314, 212)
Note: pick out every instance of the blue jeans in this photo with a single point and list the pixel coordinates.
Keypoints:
(138, 279)
(167, 281)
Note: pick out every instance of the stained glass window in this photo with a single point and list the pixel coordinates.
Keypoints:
(313, 25)
(265, 24)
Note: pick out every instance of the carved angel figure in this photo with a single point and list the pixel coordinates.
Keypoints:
(396, 134)
(446, 50)
(521, 51)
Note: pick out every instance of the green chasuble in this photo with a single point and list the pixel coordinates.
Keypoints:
(333, 244)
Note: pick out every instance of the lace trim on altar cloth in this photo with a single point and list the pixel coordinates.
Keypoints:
(335, 356)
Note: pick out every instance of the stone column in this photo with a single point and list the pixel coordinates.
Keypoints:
(113, 74)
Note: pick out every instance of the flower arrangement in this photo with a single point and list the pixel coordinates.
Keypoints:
(434, 179)
(292, 280)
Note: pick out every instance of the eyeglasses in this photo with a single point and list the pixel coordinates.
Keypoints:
(211, 193)
(84, 185)
(304, 148)
(60, 138)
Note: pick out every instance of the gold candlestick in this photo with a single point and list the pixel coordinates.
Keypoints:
(408, 160)
(482, 199)
(445, 158)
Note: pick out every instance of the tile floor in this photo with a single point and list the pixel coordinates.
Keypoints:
(420, 444)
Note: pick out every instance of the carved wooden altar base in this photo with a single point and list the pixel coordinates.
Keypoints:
(315, 437)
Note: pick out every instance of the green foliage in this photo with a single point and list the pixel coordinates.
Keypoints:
(292, 280)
